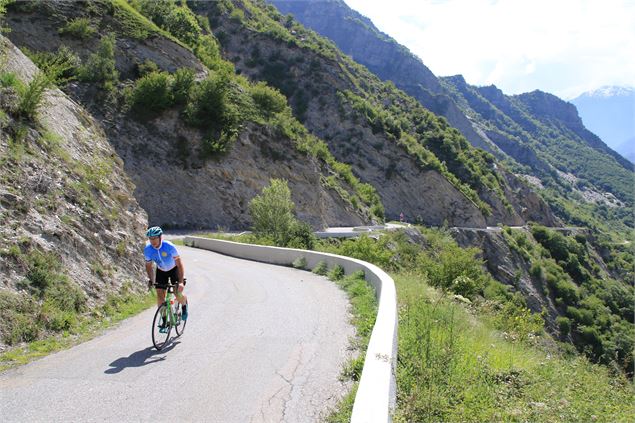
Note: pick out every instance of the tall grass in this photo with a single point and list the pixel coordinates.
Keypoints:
(454, 366)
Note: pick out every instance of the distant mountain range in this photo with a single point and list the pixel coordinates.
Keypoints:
(609, 112)
(536, 135)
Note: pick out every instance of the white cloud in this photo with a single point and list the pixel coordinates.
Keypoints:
(563, 47)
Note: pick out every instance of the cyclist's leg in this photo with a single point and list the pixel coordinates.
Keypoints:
(161, 281)
(160, 296)
(181, 298)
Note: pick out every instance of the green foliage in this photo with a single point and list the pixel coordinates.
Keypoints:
(214, 106)
(182, 85)
(100, 66)
(321, 268)
(429, 139)
(42, 271)
(31, 97)
(269, 100)
(79, 28)
(60, 67)
(336, 273)
(301, 236)
(155, 10)
(182, 23)
(272, 212)
(451, 267)
(299, 263)
(152, 93)
(453, 366)
(148, 66)
(564, 325)
(19, 318)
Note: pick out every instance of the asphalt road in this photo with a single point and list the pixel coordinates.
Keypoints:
(263, 344)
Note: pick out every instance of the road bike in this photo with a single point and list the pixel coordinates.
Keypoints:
(167, 317)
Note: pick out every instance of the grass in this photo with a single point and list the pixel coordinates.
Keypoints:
(364, 311)
(455, 366)
(117, 308)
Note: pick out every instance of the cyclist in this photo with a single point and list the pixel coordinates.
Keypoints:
(169, 267)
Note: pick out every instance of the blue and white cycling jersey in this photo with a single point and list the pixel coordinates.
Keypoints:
(163, 256)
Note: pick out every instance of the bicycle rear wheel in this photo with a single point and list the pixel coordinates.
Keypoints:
(159, 339)
(179, 327)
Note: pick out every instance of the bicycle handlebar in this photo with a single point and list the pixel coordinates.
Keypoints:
(171, 285)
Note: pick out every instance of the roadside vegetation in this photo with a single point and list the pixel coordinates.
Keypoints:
(52, 312)
(469, 348)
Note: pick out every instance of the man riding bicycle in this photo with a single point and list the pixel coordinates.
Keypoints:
(169, 267)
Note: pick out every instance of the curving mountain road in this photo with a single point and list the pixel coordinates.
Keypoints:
(263, 344)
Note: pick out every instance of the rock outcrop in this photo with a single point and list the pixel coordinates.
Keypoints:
(65, 193)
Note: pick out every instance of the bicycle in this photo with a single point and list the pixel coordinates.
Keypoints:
(167, 316)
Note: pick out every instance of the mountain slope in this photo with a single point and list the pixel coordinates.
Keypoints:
(419, 165)
(357, 36)
(71, 227)
(180, 181)
(609, 112)
(506, 132)
(564, 154)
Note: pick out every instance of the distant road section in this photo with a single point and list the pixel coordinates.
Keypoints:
(264, 343)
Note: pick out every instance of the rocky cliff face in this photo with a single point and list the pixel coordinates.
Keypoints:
(163, 155)
(314, 83)
(357, 36)
(64, 193)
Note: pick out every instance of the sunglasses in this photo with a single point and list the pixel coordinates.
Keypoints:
(152, 238)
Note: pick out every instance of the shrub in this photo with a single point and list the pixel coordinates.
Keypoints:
(19, 318)
(299, 263)
(79, 28)
(101, 65)
(31, 97)
(564, 325)
(301, 236)
(272, 212)
(42, 268)
(60, 67)
(208, 52)
(209, 102)
(321, 268)
(268, 100)
(152, 93)
(148, 66)
(182, 23)
(182, 84)
(336, 273)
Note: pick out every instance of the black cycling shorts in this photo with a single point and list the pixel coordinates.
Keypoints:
(162, 277)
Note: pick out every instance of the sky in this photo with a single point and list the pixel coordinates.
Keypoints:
(563, 47)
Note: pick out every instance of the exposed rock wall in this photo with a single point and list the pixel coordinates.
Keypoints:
(64, 191)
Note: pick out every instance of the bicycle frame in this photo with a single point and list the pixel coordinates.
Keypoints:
(170, 298)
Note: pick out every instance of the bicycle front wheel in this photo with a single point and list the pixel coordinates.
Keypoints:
(179, 326)
(161, 327)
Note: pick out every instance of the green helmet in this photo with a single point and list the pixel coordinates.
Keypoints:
(154, 231)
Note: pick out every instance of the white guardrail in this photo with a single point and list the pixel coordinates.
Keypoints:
(376, 394)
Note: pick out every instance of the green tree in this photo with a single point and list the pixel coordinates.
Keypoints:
(272, 212)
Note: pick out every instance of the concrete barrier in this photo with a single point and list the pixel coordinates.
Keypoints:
(376, 394)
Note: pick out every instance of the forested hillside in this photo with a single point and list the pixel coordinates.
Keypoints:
(584, 181)
(537, 136)
(419, 164)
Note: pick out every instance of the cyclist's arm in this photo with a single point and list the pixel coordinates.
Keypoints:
(150, 271)
(180, 268)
